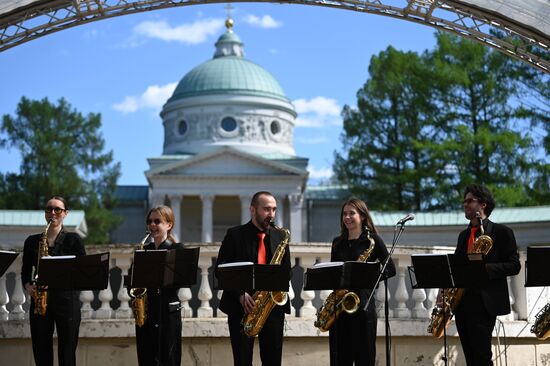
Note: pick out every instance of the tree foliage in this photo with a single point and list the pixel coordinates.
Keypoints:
(426, 125)
(62, 153)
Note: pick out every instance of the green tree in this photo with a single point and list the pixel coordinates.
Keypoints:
(62, 153)
(487, 141)
(391, 139)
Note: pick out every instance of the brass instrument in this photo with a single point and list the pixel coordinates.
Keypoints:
(139, 295)
(541, 328)
(40, 294)
(265, 301)
(341, 300)
(452, 297)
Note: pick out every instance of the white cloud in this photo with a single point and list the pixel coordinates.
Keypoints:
(323, 173)
(153, 97)
(193, 33)
(318, 112)
(263, 22)
(321, 106)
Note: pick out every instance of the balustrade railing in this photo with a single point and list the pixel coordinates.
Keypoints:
(201, 301)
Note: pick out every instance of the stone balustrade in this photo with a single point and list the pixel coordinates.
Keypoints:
(107, 313)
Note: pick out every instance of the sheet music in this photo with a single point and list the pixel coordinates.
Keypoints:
(58, 257)
(327, 264)
(235, 264)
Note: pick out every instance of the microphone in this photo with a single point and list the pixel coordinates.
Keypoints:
(409, 217)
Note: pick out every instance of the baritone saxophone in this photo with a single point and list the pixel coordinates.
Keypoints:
(139, 295)
(442, 315)
(40, 295)
(541, 328)
(341, 300)
(265, 301)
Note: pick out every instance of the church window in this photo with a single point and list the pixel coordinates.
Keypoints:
(182, 127)
(229, 124)
(275, 127)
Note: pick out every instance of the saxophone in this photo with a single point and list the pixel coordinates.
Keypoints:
(541, 328)
(139, 295)
(265, 301)
(341, 300)
(40, 295)
(452, 297)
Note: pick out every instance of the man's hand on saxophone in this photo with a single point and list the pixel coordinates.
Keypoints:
(247, 302)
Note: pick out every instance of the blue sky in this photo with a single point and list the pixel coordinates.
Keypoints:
(126, 67)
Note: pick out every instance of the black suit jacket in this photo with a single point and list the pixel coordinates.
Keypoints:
(240, 244)
(501, 261)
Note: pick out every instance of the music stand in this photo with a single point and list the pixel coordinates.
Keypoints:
(86, 272)
(6, 259)
(250, 277)
(537, 272)
(341, 275)
(447, 271)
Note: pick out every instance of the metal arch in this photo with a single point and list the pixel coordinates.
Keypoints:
(45, 17)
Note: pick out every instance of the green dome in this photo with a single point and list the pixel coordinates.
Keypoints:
(228, 75)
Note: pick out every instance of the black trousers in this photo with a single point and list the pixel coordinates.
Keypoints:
(475, 327)
(270, 337)
(352, 339)
(63, 314)
(159, 343)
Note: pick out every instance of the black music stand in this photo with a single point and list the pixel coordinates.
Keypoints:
(174, 268)
(341, 275)
(537, 271)
(250, 277)
(6, 259)
(86, 272)
(446, 271)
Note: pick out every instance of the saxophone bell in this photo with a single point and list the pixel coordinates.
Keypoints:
(139, 295)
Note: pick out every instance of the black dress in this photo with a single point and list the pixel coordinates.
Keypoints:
(63, 309)
(352, 337)
(163, 324)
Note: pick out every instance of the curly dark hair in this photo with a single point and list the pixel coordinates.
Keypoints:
(483, 195)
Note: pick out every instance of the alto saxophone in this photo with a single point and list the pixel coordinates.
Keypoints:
(265, 301)
(441, 316)
(139, 295)
(40, 295)
(341, 300)
(541, 328)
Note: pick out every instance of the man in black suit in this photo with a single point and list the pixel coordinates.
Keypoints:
(477, 311)
(243, 243)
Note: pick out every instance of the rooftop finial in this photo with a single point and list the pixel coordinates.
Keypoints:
(229, 21)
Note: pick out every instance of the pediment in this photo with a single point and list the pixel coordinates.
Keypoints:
(225, 162)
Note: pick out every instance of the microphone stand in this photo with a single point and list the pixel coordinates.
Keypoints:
(396, 236)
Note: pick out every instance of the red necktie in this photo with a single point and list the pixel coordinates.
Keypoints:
(261, 249)
(471, 239)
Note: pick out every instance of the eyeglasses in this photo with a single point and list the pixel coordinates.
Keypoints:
(55, 210)
(156, 221)
(469, 200)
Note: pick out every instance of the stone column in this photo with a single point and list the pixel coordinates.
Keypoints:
(296, 201)
(207, 200)
(280, 211)
(175, 203)
(245, 208)
(157, 199)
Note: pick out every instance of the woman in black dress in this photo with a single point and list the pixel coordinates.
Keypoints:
(63, 306)
(158, 341)
(352, 337)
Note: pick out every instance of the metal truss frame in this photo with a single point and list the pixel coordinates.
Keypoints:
(521, 42)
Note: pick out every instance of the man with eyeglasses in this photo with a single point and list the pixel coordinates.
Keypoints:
(63, 306)
(477, 311)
